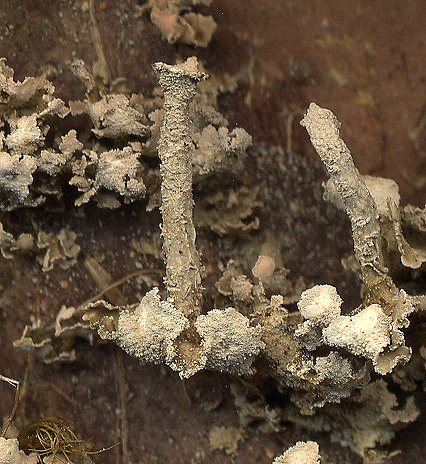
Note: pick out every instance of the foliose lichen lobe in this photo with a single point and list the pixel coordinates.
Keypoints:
(301, 453)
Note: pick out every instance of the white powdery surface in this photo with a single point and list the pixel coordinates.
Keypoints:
(16, 174)
(229, 342)
(25, 135)
(149, 332)
(301, 453)
(10, 453)
(320, 304)
(365, 334)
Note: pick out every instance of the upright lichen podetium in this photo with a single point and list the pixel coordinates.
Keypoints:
(382, 295)
(323, 129)
(183, 277)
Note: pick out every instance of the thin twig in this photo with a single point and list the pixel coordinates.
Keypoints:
(97, 41)
(122, 389)
(118, 283)
(17, 385)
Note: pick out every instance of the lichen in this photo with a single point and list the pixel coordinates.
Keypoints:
(16, 177)
(183, 267)
(11, 454)
(177, 24)
(328, 362)
(219, 148)
(323, 128)
(301, 453)
(228, 211)
(173, 331)
(60, 249)
(225, 438)
(366, 333)
(229, 343)
(150, 330)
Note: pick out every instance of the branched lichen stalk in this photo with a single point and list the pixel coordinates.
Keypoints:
(323, 129)
(183, 277)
